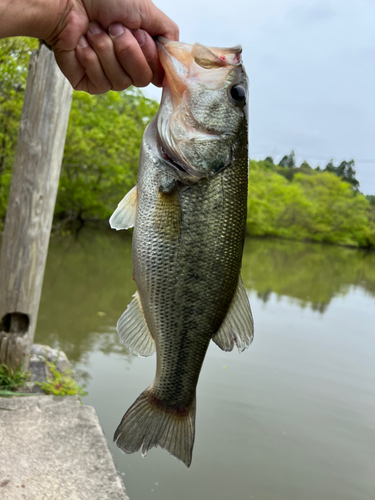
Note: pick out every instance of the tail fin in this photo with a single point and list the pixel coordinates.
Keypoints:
(147, 425)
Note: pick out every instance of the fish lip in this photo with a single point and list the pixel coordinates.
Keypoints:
(236, 51)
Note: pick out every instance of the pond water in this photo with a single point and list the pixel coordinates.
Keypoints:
(291, 418)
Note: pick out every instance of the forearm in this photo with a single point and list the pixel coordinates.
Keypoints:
(29, 17)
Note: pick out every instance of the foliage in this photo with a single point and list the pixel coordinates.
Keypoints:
(61, 383)
(287, 167)
(346, 171)
(371, 218)
(14, 60)
(288, 160)
(101, 152)
(313, 206)
(11, 380)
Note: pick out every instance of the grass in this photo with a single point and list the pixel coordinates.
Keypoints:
(61, 383)
(11, 380)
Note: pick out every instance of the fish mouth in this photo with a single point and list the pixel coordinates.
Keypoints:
(183, 61)
(187, 142)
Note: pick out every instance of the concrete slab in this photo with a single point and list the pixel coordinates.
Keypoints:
(54, 448)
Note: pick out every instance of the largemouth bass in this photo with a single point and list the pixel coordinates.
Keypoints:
(189, 215)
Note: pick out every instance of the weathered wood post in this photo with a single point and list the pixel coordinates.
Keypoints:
(37, 165)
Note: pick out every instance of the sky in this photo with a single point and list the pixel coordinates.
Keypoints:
(311, 67)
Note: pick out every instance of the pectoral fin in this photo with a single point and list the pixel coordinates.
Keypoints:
(124, 215)
(133, 330)
(238, 325)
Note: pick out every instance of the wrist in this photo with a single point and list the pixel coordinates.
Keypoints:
(32, 18)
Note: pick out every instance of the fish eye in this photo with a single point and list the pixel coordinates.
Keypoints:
(238, 95)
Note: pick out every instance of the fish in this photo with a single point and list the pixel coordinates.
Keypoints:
(189, 213)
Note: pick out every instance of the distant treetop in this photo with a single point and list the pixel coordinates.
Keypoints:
(346, 170)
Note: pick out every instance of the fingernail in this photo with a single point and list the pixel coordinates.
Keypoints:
(140, 36)
(116, 29)
(95, 29)
(82, 42)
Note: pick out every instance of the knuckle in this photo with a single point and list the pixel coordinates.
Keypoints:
(88, 57)
(102, 43)
(133, 20)
(79, 86)
(122, 84)
(100, 89)
(124, 47)
(142, 79)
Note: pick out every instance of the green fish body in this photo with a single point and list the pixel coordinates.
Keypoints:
(189, 216)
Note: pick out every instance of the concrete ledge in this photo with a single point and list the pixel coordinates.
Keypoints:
(54, 448)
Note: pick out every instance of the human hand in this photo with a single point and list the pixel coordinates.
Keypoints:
(107, 44)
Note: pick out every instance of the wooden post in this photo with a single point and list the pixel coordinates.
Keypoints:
(37, 165)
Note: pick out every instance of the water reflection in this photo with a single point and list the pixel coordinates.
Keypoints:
(310, 273)
(291, 418)
(88, 283)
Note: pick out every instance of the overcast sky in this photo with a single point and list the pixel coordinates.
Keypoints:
(311, 66)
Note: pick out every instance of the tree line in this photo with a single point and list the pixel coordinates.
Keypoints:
(288, 167)
(302, 203)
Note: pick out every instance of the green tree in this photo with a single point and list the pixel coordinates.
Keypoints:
(313, 206)
(337, 215)
(275, 206)
(346, 171)
(371, 217)
(305, 167)
(288, 160)
(101, 152)
(14, 61)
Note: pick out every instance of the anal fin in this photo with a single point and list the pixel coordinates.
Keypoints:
(133, 330)
(238, 325)
(124, 215)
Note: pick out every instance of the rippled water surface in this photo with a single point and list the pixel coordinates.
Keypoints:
(291, 418)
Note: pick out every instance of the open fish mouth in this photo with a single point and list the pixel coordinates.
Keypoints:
(194, 124)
